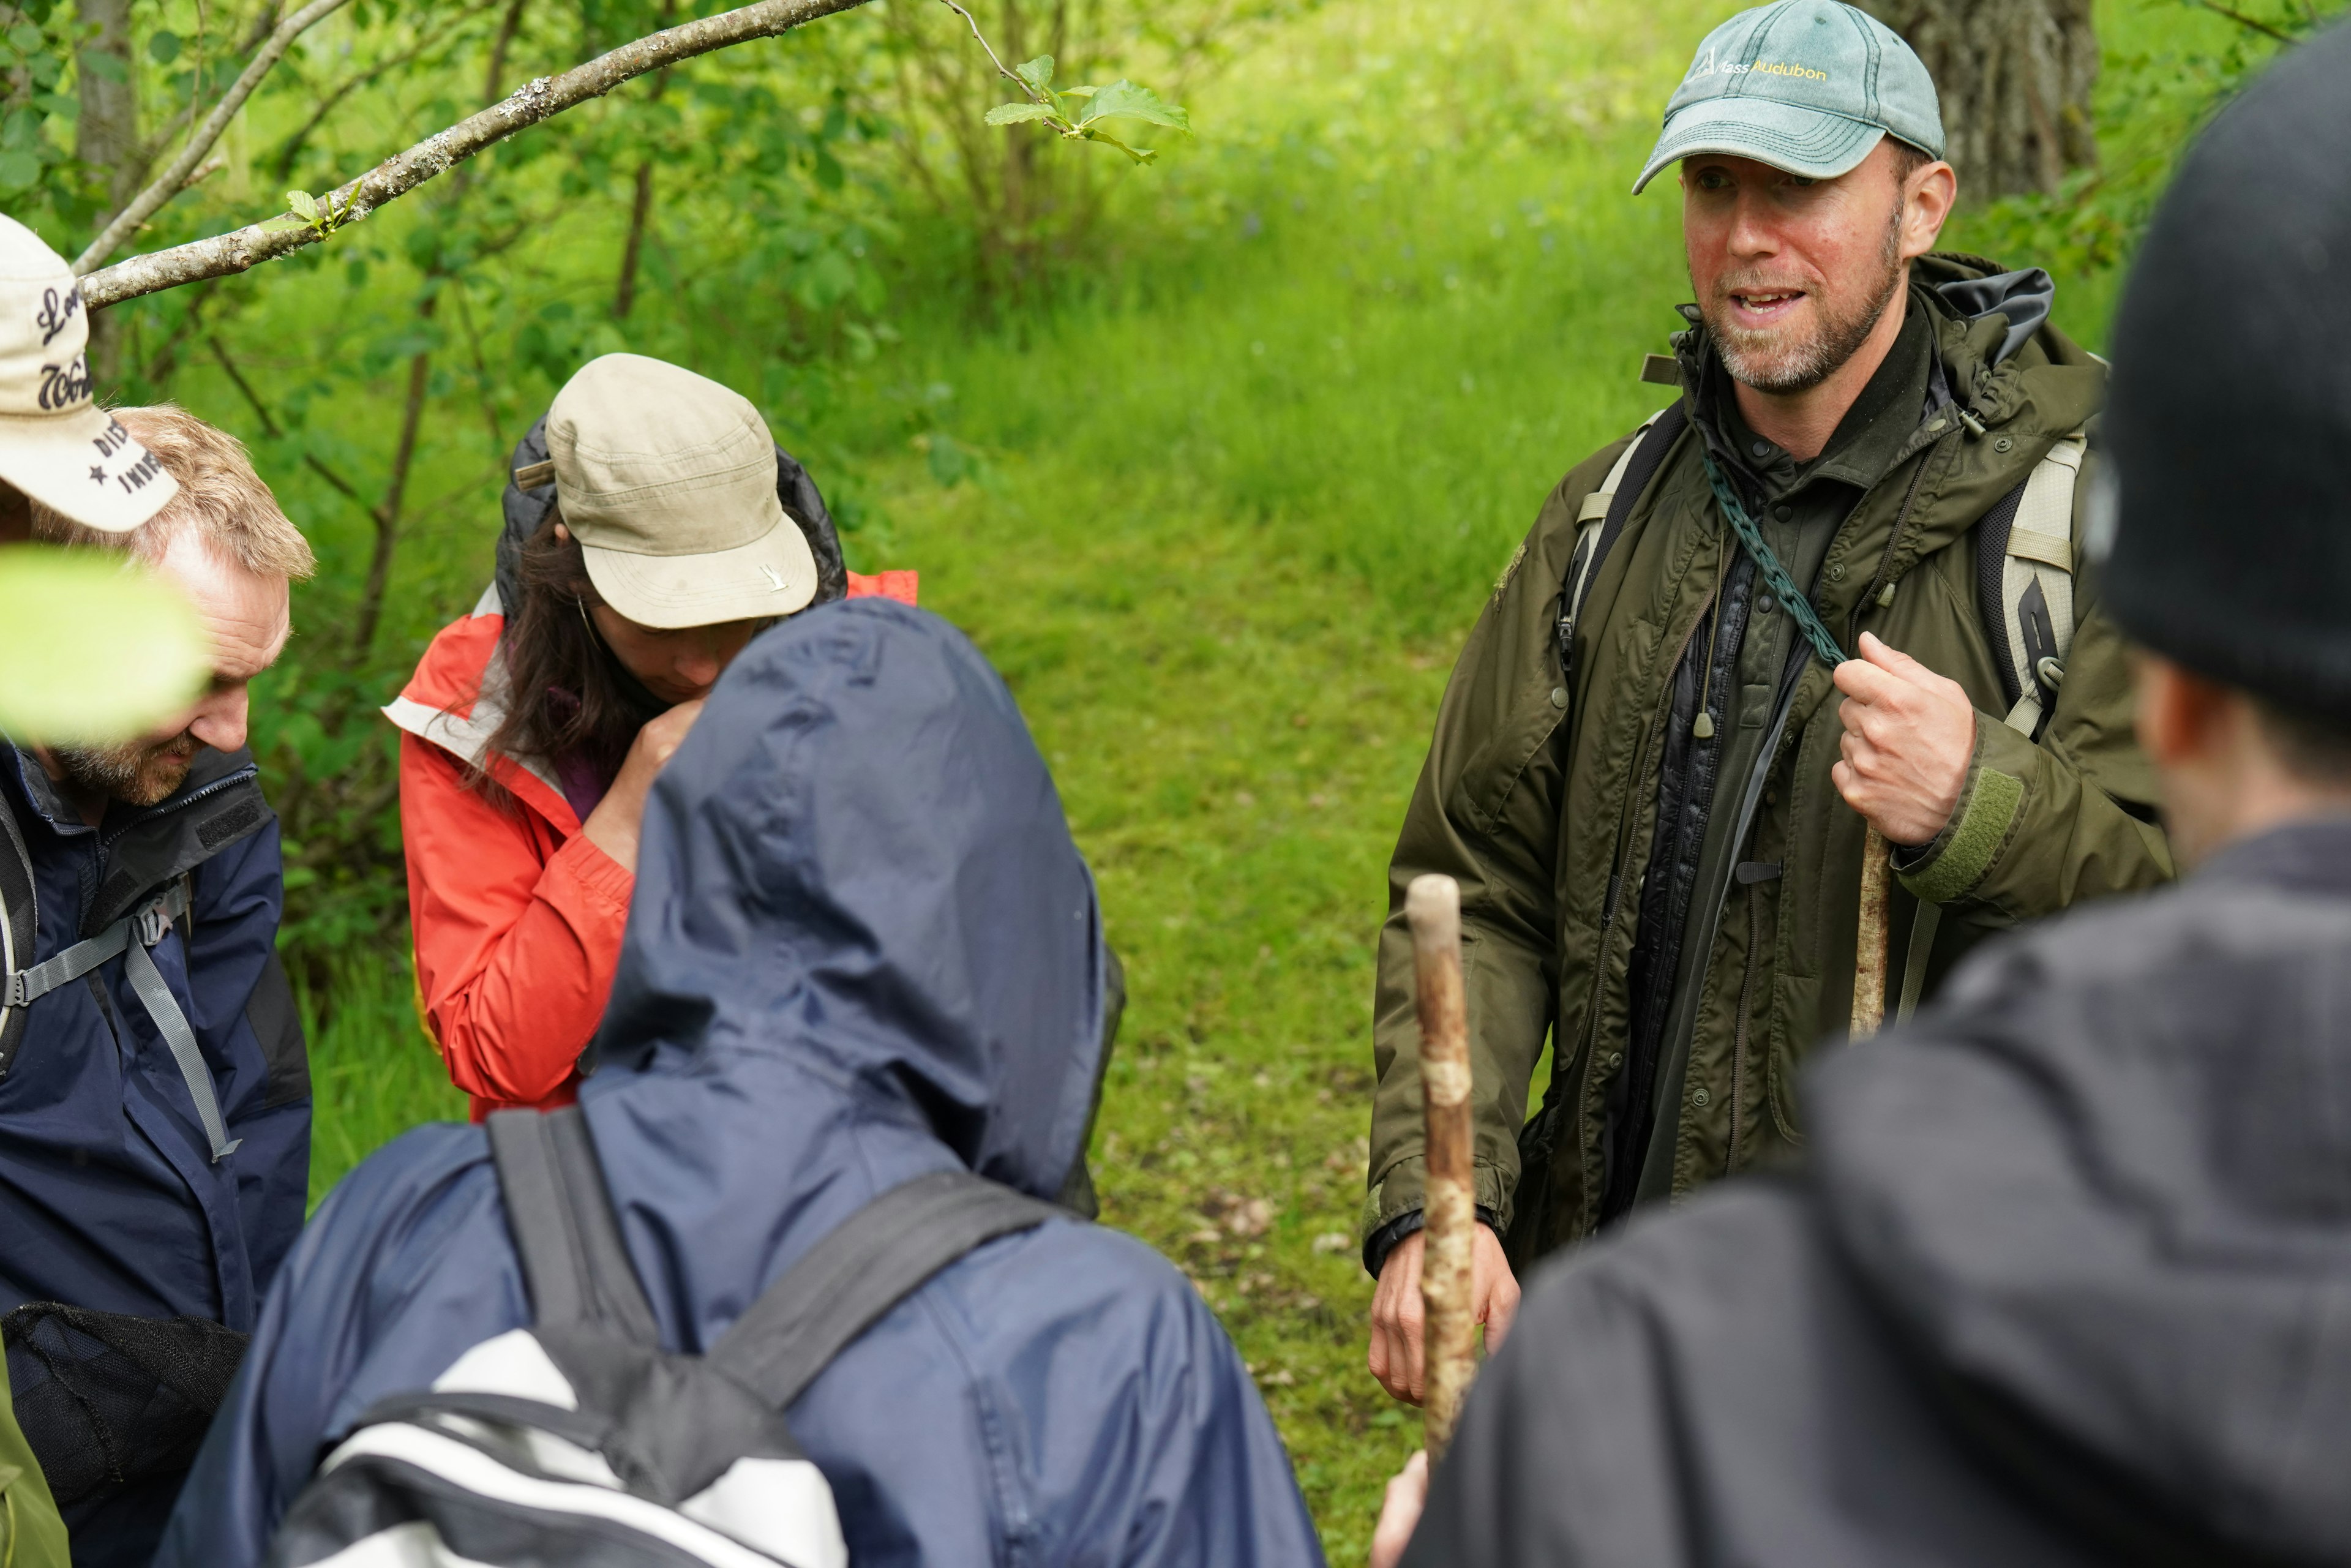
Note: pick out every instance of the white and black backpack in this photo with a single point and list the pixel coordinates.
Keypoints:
(579, 1441)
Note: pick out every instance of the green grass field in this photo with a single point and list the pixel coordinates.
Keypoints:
(1234, 509)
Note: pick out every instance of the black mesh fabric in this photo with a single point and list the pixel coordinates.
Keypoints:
(106, 1400)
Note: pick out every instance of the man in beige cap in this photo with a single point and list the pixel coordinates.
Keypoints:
(56, 445)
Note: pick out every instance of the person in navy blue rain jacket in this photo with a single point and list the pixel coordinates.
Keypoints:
(138, 1178)
(863, 947)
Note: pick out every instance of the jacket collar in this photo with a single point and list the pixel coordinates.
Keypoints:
(40, 793)
(2313, 855)
(1872, 437)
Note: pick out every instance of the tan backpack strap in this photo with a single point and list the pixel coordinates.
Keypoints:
(2037, 600)
(1601, 519)
(1593, 514)
(2037, 582)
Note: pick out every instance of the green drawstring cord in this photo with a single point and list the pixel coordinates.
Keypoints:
(1775, 576)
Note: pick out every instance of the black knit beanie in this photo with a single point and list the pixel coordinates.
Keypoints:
(2229, 424)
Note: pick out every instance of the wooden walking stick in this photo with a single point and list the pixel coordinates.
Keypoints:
(1869, 952)
(1449, 1213)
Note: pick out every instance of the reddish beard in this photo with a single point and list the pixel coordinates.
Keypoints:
(1790, 358)
(142, 773)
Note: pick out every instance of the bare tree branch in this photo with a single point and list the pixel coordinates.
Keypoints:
(2254, 23)
(1034, 96)
(436, 155)
(168, 183)
(433, 35)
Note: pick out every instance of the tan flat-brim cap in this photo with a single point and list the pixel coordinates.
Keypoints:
(56, 445)
(668, 481)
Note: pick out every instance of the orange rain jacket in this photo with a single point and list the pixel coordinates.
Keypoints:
(516, 917)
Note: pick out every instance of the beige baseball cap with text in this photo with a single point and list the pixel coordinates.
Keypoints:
(55, 443)
(668, 481)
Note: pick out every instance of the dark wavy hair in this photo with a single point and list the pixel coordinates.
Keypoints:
(566, 695)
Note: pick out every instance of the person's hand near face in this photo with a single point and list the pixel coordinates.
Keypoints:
(678, 665)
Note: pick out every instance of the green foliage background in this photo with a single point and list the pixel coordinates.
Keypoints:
(1215, 459)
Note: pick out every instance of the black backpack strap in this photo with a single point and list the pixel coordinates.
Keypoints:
(1618, 493)
(1992, 561)
(564, 1228)
(19, 926)
(868, 1265)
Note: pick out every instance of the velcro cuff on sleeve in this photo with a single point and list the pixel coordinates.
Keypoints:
(1974, 840)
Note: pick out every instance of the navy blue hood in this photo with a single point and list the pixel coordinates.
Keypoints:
(858, 865)
(862, 948)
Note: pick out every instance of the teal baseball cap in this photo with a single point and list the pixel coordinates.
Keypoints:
(1808, 85)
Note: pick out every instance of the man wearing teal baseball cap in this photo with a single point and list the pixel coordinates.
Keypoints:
(1823, 603)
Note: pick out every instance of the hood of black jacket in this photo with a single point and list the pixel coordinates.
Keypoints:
(857, 900)
(2100, 1193)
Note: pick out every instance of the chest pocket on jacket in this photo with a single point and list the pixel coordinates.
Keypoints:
(1494, 770)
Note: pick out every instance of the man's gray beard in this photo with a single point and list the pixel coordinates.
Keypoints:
(1759, 359)
(119, 773)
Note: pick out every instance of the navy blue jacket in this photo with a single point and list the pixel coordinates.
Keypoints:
(109, 1198)
(109, 1193)
(862, 948)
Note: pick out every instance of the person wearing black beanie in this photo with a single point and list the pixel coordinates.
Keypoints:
(2062, 1276)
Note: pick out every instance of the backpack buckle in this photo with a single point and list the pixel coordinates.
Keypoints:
(150, 923)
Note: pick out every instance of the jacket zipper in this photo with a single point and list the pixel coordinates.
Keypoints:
(1586, 1037)
(250, 770)
(1739, 1041)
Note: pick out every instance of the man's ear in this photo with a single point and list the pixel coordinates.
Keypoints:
(2182, 717)
(1926, 198)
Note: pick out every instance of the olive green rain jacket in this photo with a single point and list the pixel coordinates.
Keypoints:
(31, 1533)
(1543, 800)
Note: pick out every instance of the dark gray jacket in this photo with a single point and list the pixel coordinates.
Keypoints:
(2066, 1278)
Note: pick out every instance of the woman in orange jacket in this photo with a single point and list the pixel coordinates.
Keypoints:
(653, 529)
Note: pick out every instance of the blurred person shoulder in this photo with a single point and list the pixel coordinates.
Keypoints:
(1872, 1355)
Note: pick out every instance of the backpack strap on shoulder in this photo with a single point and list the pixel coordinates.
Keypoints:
(20, 928)
(1602, 518)
(2024, 567)
(2026, 585)
(564, 1228)
(868, 1264)
(130, 938)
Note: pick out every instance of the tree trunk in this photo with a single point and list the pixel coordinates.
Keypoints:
(106, 136)
(2015, 78)
(106, 132)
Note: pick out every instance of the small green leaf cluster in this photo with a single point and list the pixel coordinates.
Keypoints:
(1079, 112)
(320, 217)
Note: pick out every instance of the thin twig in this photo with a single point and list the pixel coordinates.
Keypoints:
(495, 77)
(396, 176)
(1034, 96)
(269, 426)
(172, 180)
(2239, 18)
(295, 144)
(481, 368)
